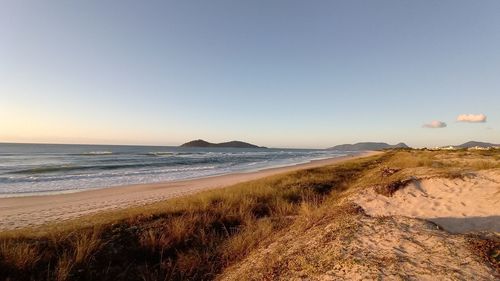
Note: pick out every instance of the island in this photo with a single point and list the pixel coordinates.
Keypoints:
(360, 146)
(231, 144)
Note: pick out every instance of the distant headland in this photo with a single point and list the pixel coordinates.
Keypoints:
(233, 144)
(472, 144)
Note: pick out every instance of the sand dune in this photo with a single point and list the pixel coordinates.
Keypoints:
(364, 248)
(460, 205)
(389, 238)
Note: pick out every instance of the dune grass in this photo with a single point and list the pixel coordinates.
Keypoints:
(187, 238)
(198, 236)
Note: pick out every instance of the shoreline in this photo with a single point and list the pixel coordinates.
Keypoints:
(31, 211)
(254, 170)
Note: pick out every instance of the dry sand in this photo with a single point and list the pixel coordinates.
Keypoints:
(37, 210)
(390, 238)
(368, 248)
(461, 205)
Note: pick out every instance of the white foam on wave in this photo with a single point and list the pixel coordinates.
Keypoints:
(161, 153)
(222, 163)
(97, 153)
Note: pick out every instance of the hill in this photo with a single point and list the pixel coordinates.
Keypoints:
(367, 146)
(478, 144)
(233, 144)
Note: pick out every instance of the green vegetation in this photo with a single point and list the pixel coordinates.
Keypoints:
(202, 143)
(197, 237)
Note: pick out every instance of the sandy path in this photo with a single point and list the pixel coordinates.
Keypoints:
(37, 210)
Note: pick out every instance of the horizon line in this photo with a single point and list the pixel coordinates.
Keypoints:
(145, 145)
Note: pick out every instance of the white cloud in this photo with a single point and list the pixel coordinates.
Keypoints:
(472, 118)
(435, 124)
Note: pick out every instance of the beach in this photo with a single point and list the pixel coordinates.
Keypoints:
(419, 215)
(397, 214)
(42, 169)
(31, 211)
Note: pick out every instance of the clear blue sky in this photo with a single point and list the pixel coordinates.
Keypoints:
(275, 73)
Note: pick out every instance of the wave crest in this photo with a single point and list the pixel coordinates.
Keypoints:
(90, 153)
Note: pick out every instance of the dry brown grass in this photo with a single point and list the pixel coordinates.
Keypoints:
(196, 237)
(187, 238)
(63, 268)
(389, 189)
(22, 255)
(487, 249)
(312, 247)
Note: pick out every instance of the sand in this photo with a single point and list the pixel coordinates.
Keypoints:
(368, 248)
(390, 238)
(461, 205)
(33, 211)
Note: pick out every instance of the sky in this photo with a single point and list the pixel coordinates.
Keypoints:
(277, 73)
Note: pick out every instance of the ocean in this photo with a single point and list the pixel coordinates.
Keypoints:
(42, 169)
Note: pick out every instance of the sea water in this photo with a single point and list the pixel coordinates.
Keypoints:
(40, 169)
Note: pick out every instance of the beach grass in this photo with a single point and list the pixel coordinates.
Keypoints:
(196, 237)
(186, 238)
